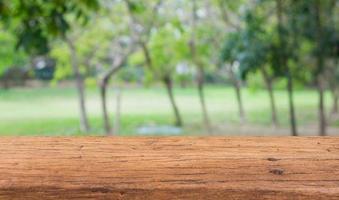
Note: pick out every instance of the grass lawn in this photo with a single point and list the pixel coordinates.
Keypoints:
(54, 111)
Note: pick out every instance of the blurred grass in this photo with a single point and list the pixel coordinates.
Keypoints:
(54, 111)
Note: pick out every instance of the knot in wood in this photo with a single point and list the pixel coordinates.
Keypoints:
(277, 171)
(272, 159)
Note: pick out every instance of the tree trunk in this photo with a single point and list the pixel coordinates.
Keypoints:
(237, 88)
(166, 80)
(169, 86)
(116, 66)
(320, 68)
(240, 104)
(117, 120)
(293, 120)
(103, 94)
(202, 101)
(322, 117)
(147, 55)
(273, 106)
(335, 92)
(283, 61)
(269, 86)
(199, 65)
(84, 124)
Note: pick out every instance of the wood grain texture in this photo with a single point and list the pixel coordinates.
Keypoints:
(169, 168)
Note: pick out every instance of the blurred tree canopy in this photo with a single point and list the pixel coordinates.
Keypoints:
(36, 22)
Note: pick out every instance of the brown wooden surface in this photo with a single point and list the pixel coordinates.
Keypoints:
(169, 168)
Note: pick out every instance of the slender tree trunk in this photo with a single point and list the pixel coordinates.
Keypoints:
(293, 120)
(103, 94)
(335, 82)
(322, 117)
(240, 104)
(273, 106)
(166, 80)
(169, 86)
(335, 92)
(84, 124)
(202, 100)
(117, 120)
(147, 55)
(269, 86)
(320, 68)
(201, 72)
(116, 66)
(284, 63)
(237, 88)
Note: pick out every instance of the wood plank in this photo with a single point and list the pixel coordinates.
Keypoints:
(169, 168)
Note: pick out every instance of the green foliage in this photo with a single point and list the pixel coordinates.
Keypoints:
(231, 48)
(92, 49)
(9, 57)
(131, 74)
(256, 44)
(4, 9)
(136, 7)
(64, 69)
(136, 59)
(206, 53)
(313, 23)
(38, 21)
(168, 47)
(255, 82)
